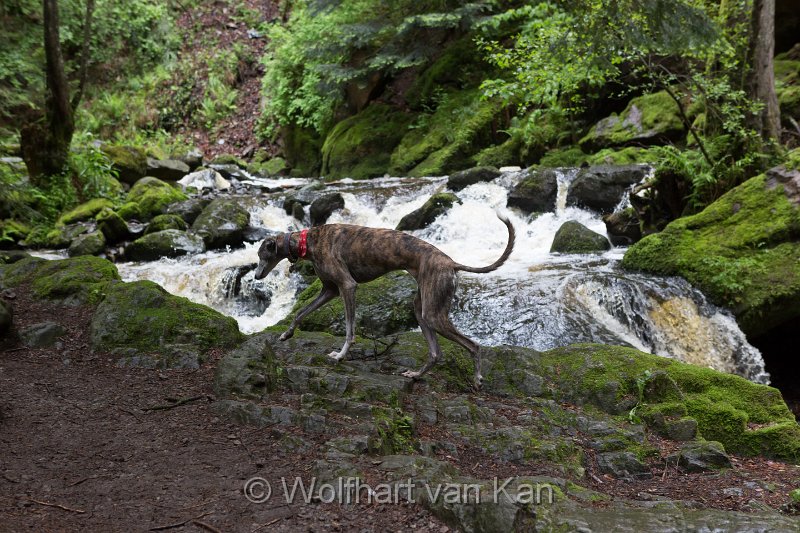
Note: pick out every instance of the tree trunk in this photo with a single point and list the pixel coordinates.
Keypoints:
(45, 143)
(762, 80)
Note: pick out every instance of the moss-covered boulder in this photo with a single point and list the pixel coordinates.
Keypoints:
(323, 207)
(222, 223)
(274, 167)
(383, 306)
(359, 146)
(303, 150)
(189, 209)
(146, 326)
(166, 221)
(85, 211)
(165, 243)
(150, 197)
(623, 227)
(602, 187)
(575, 238)
(446, 140)
(249, 371)
(130, 162)
(112, 225)
(743, 251)
(787, 88)
(167, 169)
(536, 193)
(648, 119)
(465, 178)
(92, 243)
(437, 205)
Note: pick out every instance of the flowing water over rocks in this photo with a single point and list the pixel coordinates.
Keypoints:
(537, 299)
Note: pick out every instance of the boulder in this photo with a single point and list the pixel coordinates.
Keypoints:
(271, 168)
(742, 251)
(205, 178)
(536, 193)
(623, 227)
(249, 371)
(703, 456)
(166, 221)
(42, 335)
(323, 207)
(167, 169)
(222, 223)
(575, 238)
(12, 256)
(193, 159)
(464, 178)
(189, 209)
(85, 211)
(622, 465)
(648, 119)
(437, 205)
(130, 162)
(602, 187)
(93, 243)
(383, 306)
(166, 243)
(112, 226)
(146, 326)
(150, 197)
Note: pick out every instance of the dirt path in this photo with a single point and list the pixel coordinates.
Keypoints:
(79, 452)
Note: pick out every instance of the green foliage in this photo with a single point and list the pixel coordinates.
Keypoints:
(94, 171)
(326, 46)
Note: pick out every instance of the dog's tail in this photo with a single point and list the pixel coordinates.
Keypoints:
(507, 252)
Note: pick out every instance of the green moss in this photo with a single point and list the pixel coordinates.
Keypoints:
(787, 71)
(19, 272)
(13, 231)
(563, 157)
(302, 148)
(85, 211)
(78, 279)
(130, 162)
(451, 70)
(742, 251)
(623, 156)
(129, 211)
(359, 146)
(395, 430)
(501, 155)
(163, 222)
(150, 196)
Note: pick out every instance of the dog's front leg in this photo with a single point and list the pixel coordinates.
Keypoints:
(348, 293)
(329, 292)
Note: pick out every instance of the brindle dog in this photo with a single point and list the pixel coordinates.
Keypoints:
(345, 255)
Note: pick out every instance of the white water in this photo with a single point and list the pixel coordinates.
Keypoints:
(536, 299)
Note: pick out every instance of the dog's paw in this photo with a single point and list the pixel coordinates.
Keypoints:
(286, 335)
(478, 383)
(336, 356)
(411, 374)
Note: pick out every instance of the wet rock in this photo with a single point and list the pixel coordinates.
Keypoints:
(274, 167)
(206, 178)
(535, 193)
(167, 169)
(93, 243)
(164, 222)
(74, 281)
(622, 465)
(112, 226)
(189, 209)
(130, 162)
(601, 187)
(437, 205)
(6, 317)
(12, 256)
(42, 335)
(703, 456)
(193, 159)
(229, 172)
(149, 197)
(468, 177)
(146, 326)
(249, 371)
(323, 207)
(85, 211)
(222, 223)
(575, 238)
(166, 243)
(623, 227)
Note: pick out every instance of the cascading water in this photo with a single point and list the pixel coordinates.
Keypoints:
(536, 299)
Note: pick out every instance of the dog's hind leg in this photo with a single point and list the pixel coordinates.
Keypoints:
(347, 290)
(434, 352)
(329, 292)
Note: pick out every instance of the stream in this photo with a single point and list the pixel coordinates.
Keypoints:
(537, 299)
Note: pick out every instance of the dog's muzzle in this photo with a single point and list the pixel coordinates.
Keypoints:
(261, 271)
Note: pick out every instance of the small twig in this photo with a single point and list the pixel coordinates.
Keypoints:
(180, 524)
(177, 403)
(58, 506)
(207, 527)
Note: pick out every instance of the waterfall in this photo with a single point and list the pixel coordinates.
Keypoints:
(536, 299)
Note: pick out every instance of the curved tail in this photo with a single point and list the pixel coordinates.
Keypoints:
(507, 252)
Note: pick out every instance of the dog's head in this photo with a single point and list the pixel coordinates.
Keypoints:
(268, 257)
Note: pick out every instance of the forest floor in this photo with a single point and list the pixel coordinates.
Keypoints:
(86, 445)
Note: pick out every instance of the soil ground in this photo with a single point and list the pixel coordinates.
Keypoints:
(82, 449)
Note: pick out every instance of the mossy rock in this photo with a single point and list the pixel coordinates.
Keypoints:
(12, 256)
(222, 223)
(274, 167)
(74, 281)
(471, 176)
(12, 232)
(575, 238)
(629, 155)
(92, 243)
(303, 150)
(535, 193)
(112, 225)
(445, 141)
(500, 155)
(146, 326)
(383, 306)
(648, 119)
(151, 197)
(571, 156)
(359, 146)
(436, 206)
(249, 371)
(166, 221)
(165, 243)
(85, 211)
(450, 70)
(130, 162)
(743, 251)
(787, 88)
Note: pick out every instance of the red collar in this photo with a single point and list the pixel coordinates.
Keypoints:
(302, 246)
